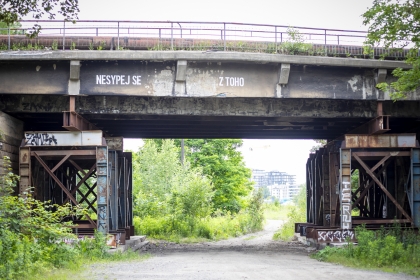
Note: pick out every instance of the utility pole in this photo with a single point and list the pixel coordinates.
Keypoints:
(182, 151)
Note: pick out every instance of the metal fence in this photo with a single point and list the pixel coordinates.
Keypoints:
(175, 34)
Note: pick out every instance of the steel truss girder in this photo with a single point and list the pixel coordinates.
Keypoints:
(389, 186)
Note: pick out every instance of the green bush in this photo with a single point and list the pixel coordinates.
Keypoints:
(297, 213)
(33, 236)
(174, 201)
(392, 250)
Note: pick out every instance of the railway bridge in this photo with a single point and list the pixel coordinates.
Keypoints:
(64, 115)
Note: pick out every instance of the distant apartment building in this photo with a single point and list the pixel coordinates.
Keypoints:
(281, 192)
(280, 184)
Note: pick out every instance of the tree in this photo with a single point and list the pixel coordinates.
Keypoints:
(396, 24)
(11, 11)
(4, 28)
(224, 165)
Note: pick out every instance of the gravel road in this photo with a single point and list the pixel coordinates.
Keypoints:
(253, 256)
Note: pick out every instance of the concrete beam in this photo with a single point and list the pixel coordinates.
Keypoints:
(284, 73)
(74, 81)
(202, 56)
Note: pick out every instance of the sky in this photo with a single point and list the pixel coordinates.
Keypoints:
(337, 14)
(283, 155)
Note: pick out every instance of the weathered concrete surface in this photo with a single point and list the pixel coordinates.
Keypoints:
(205, 74)
(11, 134)
(34, 77)
(261, 58)
(175, 117)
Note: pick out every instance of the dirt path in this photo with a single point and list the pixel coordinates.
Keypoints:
(253, 256)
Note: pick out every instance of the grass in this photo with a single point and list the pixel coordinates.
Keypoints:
(391, 250)
(250, 237)
(276, 212)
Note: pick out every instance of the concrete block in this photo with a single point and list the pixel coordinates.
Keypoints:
(74, 70)
(181, 70)
(115, 143)
(180, 88)
(74, 87)
(381, 76)
(284, 73)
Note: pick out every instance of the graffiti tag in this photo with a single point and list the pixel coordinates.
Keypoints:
(40, 139)
(335, 235)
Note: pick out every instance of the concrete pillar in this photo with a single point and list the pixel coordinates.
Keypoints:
(11, 134)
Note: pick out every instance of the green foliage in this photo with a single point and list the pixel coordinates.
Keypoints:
(220, 161)
(297, 213)
(392, 250)
(11, 11)
(320, 143)
(101, 46)
(4, 28)
(295, 44)
(34, 240)
(8, 180)
(395, 24)
(215, 227)
(32, 236)
(276, 211)
(54, 46)
(174, 201)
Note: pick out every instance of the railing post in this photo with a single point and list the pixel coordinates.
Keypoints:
(224, 36)
(8, 39)
(325, 42)
(338, 39)
(64, 35)
(118, 39)
(97, 32)
(275, 36)
(172, 36)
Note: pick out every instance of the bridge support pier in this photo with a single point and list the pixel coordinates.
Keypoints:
(77, 168)
(366, 179)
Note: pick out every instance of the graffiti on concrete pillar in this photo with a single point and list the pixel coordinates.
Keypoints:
(40, 139)
(346, 205)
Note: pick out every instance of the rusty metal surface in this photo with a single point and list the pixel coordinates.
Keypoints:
(415, 188)
(381, 141)
(72, 121)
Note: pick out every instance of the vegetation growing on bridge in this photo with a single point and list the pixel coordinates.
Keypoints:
(209, 196)
(395, 24)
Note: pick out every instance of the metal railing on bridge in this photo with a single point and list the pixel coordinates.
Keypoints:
(214, 36)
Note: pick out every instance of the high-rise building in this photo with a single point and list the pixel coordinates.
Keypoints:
(276, 179)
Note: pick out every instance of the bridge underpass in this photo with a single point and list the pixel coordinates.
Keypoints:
(192, 95)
